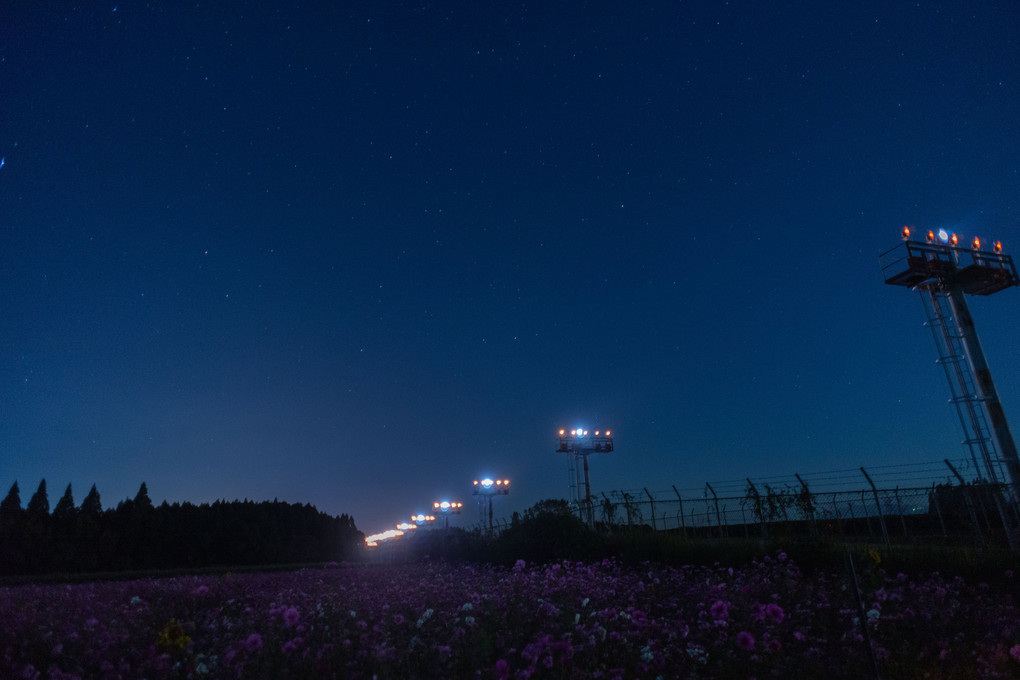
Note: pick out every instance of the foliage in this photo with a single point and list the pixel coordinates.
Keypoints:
(562, 620)
(135, 535)
(39, 504)
(547, 532)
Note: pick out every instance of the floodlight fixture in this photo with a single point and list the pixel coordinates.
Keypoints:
(491, 487)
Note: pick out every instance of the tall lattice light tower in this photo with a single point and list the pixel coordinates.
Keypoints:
(944, 271)
(579, 444)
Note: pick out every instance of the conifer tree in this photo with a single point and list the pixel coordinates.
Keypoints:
(11, 505)
(39, 504)
(91, 505)
(142, 500)
(64, 508)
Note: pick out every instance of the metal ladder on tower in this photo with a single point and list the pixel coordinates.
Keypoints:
(962, 383)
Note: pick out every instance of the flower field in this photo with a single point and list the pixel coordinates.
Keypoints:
(565, 620)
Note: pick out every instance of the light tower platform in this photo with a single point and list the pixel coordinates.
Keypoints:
(976, 272)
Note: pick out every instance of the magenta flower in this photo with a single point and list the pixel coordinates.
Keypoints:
(291, 616)
(775, 612)
(253, 643)
(745, 640)
(719, 610)
(1014, 652)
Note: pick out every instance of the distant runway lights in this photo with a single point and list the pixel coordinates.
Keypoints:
(420, 518)
(374, 540)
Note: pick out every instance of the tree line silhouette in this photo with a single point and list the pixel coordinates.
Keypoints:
(137, 535)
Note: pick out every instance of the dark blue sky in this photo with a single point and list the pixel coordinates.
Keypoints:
(359, 254)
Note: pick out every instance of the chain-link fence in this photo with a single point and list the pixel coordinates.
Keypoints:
(932, 502)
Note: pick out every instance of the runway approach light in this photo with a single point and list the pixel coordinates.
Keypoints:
(489, 486)
(374, 540)
(447, 506)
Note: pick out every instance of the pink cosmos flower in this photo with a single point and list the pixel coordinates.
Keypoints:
(291, 616)
(745, 640)
(253, 643)
(775, 612)
(1014, 652)
(719, 610)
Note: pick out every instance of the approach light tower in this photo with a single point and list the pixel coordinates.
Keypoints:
(944, 271)
(487, 488)
(579, 444)
(447, 508)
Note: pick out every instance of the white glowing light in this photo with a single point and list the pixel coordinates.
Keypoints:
(943, 235)
(374, 539)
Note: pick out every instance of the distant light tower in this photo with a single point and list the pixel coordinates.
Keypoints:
(579, 444)
(422, 519)
(943, 270)
(489, 488)
(447, 508)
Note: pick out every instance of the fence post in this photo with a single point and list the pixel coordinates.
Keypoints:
(934, 500)
(680, 514)
(630, 512)
(878, 506)
(651, 502)
(807, 505)
(718, 515)
(839, 517)
(758, 506)
(970, 506)
(899, 509)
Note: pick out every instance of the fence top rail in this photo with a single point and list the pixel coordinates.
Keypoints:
(903, 475)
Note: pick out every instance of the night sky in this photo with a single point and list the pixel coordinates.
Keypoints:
(359, 254)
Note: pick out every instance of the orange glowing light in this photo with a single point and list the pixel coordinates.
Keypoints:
(954, 239)
(998, 247)
(931, 236)
(906, 233)
(976, 245)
